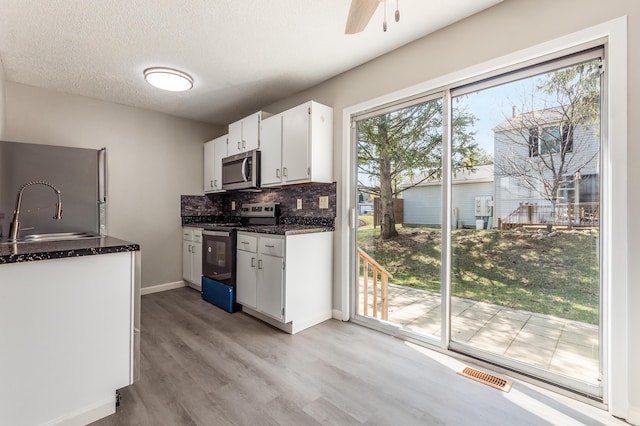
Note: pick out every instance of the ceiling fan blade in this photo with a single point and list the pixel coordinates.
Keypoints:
(360, 13)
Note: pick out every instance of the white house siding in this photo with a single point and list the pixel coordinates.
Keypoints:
(510, 193)
(422, 204)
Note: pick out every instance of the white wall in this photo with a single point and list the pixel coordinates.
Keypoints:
(505, 28)
(153, 158)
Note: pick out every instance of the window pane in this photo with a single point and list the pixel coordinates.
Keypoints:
(525, 250)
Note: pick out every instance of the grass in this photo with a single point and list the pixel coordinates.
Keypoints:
(554, 274)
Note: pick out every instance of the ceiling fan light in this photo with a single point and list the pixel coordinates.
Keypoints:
(168, 79)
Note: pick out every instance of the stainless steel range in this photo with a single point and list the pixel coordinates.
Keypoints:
(219, 253)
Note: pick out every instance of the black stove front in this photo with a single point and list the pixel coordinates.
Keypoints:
(219, 253)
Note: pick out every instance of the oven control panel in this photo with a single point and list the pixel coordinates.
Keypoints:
(260, 210)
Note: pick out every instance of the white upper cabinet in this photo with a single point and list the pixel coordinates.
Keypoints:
(244, 135)
(214, 151)
(271, 151)
(306, 146)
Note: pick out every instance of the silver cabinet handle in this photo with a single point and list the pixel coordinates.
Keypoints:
(285, 172)
(244, 144)
(238, 145)
(259, 263)
(277, 173)
(211, 184)
(253, 262)
(215, 183)
(269, 245)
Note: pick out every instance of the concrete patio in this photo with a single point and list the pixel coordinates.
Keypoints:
(566, 347)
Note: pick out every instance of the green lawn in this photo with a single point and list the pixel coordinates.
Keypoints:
(555, 275)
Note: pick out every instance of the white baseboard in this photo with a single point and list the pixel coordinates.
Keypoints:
(86, 415)
(634, 415)
(337, 314)
(162, 287)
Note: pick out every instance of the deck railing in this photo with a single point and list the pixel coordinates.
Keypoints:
(568, 214)
(378, 273)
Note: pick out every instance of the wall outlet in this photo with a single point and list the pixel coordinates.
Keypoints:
(233, 205)
(299, 204)
(323, 202)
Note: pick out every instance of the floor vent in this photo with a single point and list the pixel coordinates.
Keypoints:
(487, 379)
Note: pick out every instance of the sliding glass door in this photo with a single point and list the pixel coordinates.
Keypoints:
(479, 219)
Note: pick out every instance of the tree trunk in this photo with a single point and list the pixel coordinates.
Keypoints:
(387, 215)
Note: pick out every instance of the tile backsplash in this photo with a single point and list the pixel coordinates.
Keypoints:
(203, 207)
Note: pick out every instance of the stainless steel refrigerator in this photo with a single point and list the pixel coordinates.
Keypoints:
(78, 173)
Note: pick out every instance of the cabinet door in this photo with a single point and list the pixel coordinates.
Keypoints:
(246, 278)
(220, 152)
(196, 259)
(270, 286)
(251, 132)
(235, 138)
(271, 151)
(209, 166)
(295, 144)
(187, 264)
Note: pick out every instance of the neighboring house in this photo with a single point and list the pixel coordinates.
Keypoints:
(538, 158)
(422, 203)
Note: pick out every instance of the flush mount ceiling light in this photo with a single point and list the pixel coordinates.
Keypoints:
(168, 79)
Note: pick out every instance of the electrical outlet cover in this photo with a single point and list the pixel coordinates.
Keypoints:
(299, 203)
(323, 202)
(233, 205)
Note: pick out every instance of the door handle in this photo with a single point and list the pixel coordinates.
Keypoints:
(238, 145)
(244, 167)
(253, 262)
(259, 263)
(277, 173)
(285, 172)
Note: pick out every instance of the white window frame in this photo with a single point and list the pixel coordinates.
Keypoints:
(614, 187)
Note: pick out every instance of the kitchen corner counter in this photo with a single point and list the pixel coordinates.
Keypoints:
(44, 250)
(285, 229)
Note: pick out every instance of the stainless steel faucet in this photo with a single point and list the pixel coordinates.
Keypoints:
(15, 223)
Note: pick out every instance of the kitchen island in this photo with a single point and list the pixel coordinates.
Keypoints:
(69, 328)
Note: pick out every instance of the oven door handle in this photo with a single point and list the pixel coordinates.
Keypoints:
(217, 233)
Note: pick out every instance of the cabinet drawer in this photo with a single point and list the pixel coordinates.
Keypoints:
(187, 234)
(247, 243)
(272, 246)
(197, 235)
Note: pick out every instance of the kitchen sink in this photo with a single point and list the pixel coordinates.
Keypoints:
(57, 236)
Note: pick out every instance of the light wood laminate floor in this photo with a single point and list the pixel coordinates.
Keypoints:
(204, 366)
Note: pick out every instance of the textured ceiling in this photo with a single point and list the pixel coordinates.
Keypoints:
(242, 54)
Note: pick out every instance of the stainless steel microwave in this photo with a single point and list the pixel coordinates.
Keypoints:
(241, 171)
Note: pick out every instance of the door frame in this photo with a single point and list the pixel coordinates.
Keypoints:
(614, 189)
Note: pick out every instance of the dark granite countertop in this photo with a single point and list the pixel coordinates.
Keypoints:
(285, 229)
(43, 250)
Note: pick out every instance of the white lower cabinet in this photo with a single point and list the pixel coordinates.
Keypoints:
(285, 280)
(192, 256)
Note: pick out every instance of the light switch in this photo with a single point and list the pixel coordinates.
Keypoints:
(323, 202)
(299, 204)
(233, 205)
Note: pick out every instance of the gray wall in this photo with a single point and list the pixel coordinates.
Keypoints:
(153, 159)
(505, 28)
(2, 107)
